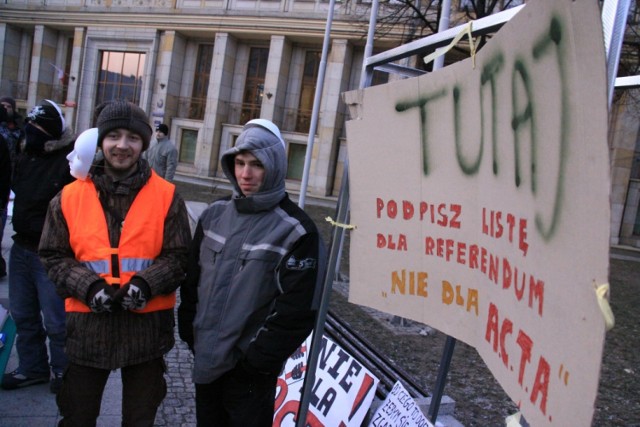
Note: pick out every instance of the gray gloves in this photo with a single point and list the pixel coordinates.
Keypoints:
(133, 296)
(100, 297)
(104, 298)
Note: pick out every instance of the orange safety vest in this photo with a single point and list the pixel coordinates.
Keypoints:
(140, 239)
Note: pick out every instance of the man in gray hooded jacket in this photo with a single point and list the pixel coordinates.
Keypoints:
(252, 287)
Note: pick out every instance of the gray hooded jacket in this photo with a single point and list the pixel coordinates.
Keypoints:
(255, 270)
(163, 158)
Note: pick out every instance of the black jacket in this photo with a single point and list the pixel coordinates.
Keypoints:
(36, 180)
(5, 173)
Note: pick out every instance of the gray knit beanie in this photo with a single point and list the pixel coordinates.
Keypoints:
(123, 115)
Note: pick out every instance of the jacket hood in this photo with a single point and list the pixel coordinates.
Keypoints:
(67, 139)
(269, 150)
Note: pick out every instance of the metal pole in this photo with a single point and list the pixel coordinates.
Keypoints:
(365, 80)
(447, 352)
(336, 242)
(442, 26)
(316, 106)
(614, 20)
(365, 77)
(443, 370)
(318, 330)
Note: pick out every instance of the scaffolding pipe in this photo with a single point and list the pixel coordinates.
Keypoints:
(614, 21)
(443, 25)
(318, 330)
(336, 242)
(316, 106)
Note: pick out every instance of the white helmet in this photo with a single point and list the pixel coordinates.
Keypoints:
(268, 125)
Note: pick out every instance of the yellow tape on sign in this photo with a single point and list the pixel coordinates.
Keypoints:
(602, 293)
(466, 30)
(338, 224)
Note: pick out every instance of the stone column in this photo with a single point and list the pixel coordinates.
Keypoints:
(71, 103)
(43, 55)
(276, 78)
(168, 77)
(331, 119)
(10, 62)
(219, 92)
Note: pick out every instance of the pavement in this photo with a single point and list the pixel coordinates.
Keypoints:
(35, 406)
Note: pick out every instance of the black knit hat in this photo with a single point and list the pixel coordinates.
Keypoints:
(163, 128)
(49, 117)
(123, 115)
(9, 100)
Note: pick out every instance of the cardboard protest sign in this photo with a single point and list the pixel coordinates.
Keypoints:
(399, 410)
(481, 200)
(342, 393)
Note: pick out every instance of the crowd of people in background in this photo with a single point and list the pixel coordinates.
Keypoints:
(11, 133)
(102, 246)
(40, 171)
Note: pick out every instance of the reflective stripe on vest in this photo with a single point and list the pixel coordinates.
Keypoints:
(130, 264)
(140, 239)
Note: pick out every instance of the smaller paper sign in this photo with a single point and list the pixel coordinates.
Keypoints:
(342, 393)
(399, 410)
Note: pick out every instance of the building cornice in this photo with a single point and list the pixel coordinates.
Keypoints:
(241, 25)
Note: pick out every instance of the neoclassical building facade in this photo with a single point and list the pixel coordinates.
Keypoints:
(205, 67)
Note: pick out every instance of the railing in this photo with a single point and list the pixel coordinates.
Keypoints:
(20, 90)
(58, 94)
(17, 90)
(380, 365)
(249, 112)
(191, 108)
(294, 120)
(239, 114)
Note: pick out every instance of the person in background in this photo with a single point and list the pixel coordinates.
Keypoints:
(253, 284)
(5, 188)
(41, 170)
(11, 127)
(115, 243)
(11, 134)
(163, 156)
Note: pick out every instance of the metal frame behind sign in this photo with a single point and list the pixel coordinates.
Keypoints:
(614, 17)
